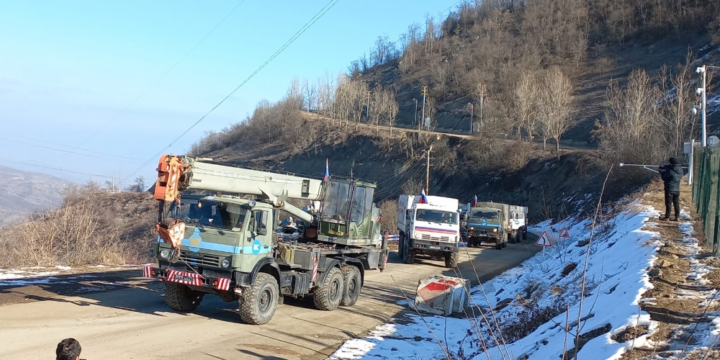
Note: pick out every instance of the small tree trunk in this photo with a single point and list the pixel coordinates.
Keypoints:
(557, 146)
(544, 143)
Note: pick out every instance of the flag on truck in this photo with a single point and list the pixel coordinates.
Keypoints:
(423, 199)
(327, 171)
(475, 201)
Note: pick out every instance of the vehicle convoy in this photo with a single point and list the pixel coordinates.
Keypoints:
(428, 225)
(220, 243)
(495, 222)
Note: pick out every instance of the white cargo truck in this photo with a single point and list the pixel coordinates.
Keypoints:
(428, 225)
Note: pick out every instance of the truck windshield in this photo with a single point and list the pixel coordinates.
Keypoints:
(485, 214)
(437, 216)
(337, 201)
(209, 213)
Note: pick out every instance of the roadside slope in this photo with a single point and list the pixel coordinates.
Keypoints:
(532, 312)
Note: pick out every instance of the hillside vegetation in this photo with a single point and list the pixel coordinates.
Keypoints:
(617, 76)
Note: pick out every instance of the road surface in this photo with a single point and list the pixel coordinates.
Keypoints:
(133, 322)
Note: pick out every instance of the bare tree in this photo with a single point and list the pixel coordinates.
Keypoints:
(526, 104)
(556, 101)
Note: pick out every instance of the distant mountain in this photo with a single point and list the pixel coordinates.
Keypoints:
(23, 192)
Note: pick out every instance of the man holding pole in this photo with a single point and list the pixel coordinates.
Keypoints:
(671, 175)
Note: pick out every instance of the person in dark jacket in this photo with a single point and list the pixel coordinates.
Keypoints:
(671, 175)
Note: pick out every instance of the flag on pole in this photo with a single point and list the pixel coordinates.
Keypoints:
(475, 201)
(327, 170)
(423, 199)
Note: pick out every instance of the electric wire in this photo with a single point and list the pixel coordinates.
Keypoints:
(302, 30)
(414, 170)
(161, 77)
(114, 156)
(54, 168)
(61, 150)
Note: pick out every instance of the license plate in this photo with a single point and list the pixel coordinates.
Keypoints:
(183, 277)
(434, 247)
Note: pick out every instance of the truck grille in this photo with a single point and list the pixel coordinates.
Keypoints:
(200, 259)
(435, 238)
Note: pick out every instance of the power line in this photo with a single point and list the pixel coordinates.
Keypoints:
(60, 150)
(54, 168)
(163, 75)
(302, 30)
(67, 146)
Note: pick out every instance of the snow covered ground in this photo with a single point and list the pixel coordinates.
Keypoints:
(35, 275)
(533, 300)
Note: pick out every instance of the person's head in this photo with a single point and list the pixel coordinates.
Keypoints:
(68, 349)
(673, 161)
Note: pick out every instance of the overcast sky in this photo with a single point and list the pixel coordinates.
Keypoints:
(112, 83)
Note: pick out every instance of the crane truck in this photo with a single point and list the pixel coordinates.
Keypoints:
(219, 243)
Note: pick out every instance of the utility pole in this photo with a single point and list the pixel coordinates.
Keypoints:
(423, 108)
(482, 100)
(427, 172)
(113, 183)
(368, 107)
(120, 181)
(415, 119)
(472, 111)
(703, 91)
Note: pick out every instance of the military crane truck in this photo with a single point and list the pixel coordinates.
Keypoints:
(428, 225)
(220, 244)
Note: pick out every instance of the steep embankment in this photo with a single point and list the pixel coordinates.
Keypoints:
(639, 290)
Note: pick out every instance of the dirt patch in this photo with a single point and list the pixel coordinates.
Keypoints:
(568, 269)
(682, 285)
(630, 333)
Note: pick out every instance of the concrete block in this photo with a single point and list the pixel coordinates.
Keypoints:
(441, 295)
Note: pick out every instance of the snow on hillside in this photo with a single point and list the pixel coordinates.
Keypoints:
(532, 300)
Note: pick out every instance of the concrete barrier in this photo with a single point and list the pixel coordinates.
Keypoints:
(441, 295)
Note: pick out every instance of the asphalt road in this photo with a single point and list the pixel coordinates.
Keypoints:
(123, 316)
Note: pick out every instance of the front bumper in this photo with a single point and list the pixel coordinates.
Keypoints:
(187, 278)
(434, 245)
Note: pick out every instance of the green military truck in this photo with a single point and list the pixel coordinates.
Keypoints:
(496, 223)
(224, 244)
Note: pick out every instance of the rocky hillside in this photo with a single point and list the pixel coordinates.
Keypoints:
(23, 193)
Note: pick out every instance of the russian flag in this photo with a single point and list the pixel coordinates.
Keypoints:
(423, 199)
(327, 170)
(475, 201)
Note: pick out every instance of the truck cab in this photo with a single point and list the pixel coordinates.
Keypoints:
(431, 228)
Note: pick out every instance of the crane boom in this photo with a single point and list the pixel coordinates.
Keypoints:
(178, 174)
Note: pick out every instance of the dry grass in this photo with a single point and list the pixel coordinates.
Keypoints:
(90, 227)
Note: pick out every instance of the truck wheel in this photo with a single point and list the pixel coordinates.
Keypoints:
(514, 237)
(401, 247)
(260, 300)
(524, 232)
(180, 297)
(352, 285)
(451, 259)
(409, 255)
(499, 242)
(329, 294)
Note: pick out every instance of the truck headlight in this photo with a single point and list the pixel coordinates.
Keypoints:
(472, 228)
(495, 230)
(164, 253)
(226, 263)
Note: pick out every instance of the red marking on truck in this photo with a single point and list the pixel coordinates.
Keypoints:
(147, 271)
(183, 277)
(315, 269)
(223, 284)
(436, 230)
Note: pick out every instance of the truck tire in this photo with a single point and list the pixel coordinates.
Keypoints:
(408, 253)
(500, 242)
(328, 295)
(180, 297)
(524, 232)
(451, 259)
(514, 237)
(401, 247)
(352, 285)
(260, 300)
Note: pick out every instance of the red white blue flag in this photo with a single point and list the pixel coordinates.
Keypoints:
(475, 201)
(327, 171)
(423, 198)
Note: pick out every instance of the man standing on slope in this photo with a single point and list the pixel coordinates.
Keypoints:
(671, 176)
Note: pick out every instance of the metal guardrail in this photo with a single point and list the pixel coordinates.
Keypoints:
(706, 192)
